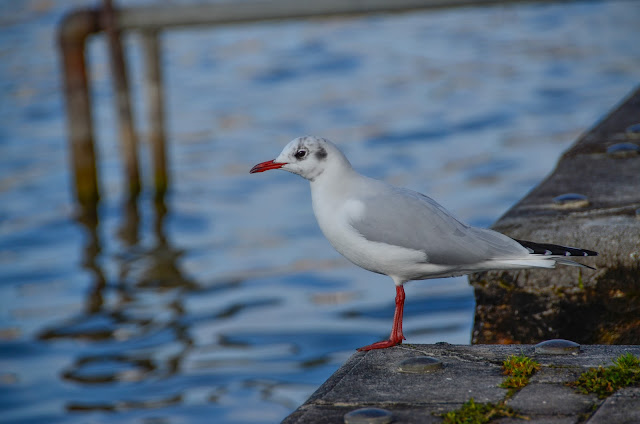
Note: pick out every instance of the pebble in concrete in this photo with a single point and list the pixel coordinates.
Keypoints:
(557, 347)
(633, 131)
(368, 416)
(623, 150)
(420, 365)
(570, 201)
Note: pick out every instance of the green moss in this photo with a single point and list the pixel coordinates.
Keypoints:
(478, 413)
(604, 381)
(518, 370)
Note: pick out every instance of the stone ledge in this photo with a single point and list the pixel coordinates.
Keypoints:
(372, 379)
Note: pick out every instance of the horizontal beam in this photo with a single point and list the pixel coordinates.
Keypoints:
(153, 17)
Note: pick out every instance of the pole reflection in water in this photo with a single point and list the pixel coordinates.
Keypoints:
(132, 329)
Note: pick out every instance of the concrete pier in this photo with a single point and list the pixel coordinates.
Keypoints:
(591, 200)
(374, 380)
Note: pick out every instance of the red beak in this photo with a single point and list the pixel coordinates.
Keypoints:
(265, 166)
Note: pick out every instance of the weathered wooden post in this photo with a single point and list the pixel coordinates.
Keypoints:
(72, 34)
(127, 131)
(155, 110)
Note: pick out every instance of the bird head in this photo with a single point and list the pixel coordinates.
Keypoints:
(305, 156)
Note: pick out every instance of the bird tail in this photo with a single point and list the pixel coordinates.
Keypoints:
(554, 249)
(557, 252)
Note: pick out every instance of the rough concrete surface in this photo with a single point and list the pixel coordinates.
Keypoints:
(372, 379)
(623, 407)
(599, 306)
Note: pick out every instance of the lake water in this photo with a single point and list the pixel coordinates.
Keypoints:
(226, 304)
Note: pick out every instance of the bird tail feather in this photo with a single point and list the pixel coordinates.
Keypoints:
(535, 261)
(565, 261)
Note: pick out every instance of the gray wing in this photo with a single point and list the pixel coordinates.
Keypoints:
(405, 218)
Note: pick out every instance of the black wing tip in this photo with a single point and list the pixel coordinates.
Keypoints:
(555, 249)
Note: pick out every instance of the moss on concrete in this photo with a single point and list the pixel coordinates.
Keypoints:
(518, 369)
(478, 413)
(604, 381)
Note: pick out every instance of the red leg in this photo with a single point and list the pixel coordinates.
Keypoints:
(396, 332)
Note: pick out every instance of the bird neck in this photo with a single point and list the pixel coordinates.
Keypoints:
(333, 173)
(330, 189)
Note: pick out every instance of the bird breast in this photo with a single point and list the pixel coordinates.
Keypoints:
(334, 218)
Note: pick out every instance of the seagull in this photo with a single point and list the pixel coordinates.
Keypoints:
(398, 232)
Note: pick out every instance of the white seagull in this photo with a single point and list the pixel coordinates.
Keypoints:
(399, 232)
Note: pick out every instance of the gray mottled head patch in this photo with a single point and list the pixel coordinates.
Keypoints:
(312, 145)
(310, 156)
(321, 154)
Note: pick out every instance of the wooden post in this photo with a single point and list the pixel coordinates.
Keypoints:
(155, 110)
(127, 131)
(73, 31)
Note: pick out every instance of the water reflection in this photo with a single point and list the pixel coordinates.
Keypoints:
(88, 219)
(126, 320)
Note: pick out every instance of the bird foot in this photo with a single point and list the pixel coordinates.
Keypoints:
(381, 345)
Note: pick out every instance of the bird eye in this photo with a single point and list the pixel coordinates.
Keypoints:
(300, 154)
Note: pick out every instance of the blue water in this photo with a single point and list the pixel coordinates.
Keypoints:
(227, 304)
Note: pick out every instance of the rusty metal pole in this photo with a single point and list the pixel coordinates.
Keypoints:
(127, 131)
(155, 108)
(72, 34)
